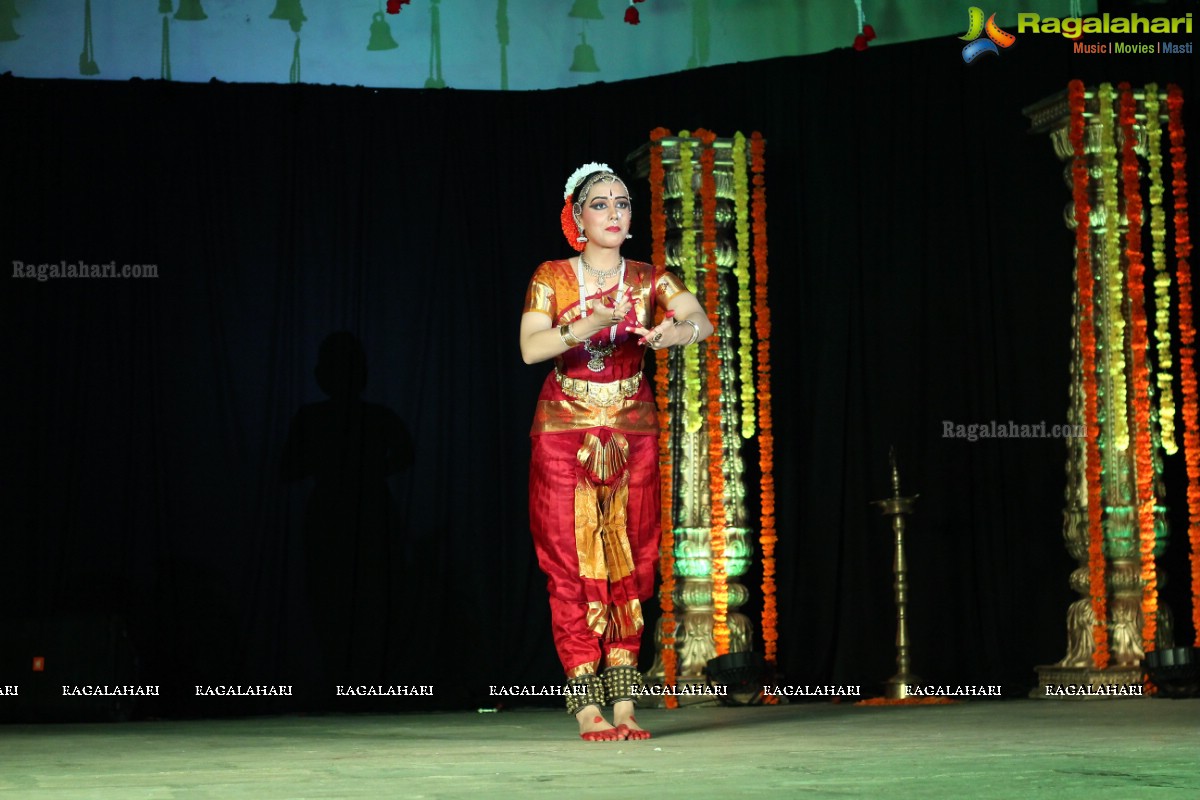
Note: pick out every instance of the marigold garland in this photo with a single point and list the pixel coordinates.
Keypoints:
(1187, 339)
(1139, 343)
(693, 418)
(1162, 278)
(745, 307)
(1114, 289)
(766, 435)
(662, 378)
(1086, 282)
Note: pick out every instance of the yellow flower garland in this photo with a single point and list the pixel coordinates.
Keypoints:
(745, 353)
(692, 411)
(1114, 296)
(1162, 278)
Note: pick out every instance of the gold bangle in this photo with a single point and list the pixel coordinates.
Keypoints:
(568, 338)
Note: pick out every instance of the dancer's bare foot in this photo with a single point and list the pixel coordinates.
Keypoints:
(593, 727)
(626, 723)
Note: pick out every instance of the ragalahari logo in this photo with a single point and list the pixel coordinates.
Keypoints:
(996, 38)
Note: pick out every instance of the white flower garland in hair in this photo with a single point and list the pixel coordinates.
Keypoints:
(580, 174)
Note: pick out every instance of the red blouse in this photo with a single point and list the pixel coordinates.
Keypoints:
(554, 291)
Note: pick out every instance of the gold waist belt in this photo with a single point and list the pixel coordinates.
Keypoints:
(599, 394)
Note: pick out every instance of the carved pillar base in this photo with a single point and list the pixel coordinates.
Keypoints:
(1089, 683)
(694, 645)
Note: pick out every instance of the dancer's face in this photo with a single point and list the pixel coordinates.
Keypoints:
(604, 217)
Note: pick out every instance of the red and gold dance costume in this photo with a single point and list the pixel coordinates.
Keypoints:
(593, 479)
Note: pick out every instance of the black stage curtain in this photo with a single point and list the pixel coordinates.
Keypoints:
(920, 272)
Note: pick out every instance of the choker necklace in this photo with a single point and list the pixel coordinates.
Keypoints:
(598, 352)
(602, 276)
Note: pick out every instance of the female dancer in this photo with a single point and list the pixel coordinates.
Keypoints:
(593, 477)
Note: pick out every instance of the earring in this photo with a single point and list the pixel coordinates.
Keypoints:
(581, 238)
(629, 236)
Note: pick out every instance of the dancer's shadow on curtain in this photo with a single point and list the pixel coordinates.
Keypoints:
(352, 526)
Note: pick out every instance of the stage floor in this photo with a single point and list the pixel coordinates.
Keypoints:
(1060, 749)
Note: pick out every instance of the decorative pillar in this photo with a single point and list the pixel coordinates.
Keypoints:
(1111, 142)
(702, 246)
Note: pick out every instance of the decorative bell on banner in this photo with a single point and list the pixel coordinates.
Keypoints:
(586, 9)
(190, 11)
(866, 33)
(291, 11)
(381, 34)
(631, 14)
(8, 12)
(585, 57)
(861, 40)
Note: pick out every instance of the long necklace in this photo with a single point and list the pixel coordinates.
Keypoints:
(598, 352)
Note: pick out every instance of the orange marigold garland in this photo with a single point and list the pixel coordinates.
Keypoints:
(1085, 281)
(766, 431)
(712, 365)
(1140, 373)
(662, 378)
(1187, 339)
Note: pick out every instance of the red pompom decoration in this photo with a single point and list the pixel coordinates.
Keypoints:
(869, 33)
(631, 16)
(569, 228)
(860, 42)
(393, 6)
